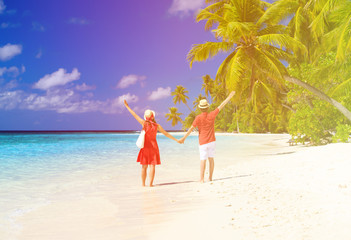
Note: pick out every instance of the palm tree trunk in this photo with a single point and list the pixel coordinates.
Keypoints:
(321, 95)
(188, 107)
(237, 120)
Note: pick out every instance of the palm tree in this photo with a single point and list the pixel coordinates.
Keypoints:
(254, 50)
(188, 121)
(197, 100)
(298, 27)
(179, 96)
(255, 47)
(219, 94)
(174, 116)
(208, 85)
(339, 38)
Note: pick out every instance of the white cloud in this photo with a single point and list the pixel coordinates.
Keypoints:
(11, 71)
(57, 97)
(10, 85)
(55, 100)
(9, 25)
(184, 7)
(11, 74)
(39, 54)
(58, 78)
(11, 11)
(10, 99)
(85, 87)
(78, 21)
(160, 93)
(9, 51)
(38, 27)
(2, 6)
(62, 100)
(131, 79)
(117, 105)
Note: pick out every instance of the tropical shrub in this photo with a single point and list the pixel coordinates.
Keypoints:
(342, 133)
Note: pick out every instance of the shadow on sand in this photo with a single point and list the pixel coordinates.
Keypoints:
(214, 180)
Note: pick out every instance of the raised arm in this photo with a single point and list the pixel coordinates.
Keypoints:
(186, 135)
(139, 119)
(226, 100)
(160, 128)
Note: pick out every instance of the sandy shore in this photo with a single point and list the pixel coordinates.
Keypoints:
(283, 192)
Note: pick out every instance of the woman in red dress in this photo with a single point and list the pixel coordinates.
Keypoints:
(149, 155)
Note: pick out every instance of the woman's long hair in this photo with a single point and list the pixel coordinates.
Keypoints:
(150, 123)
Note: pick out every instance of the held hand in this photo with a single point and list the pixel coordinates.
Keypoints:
(181, 141)
(125, 103)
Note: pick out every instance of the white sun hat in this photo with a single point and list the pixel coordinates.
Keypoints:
(203, 104)
(148, 113)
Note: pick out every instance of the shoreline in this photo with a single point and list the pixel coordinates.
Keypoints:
(274, 192)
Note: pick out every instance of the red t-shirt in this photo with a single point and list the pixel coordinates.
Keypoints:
(205, 123)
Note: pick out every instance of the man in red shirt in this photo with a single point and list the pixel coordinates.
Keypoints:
(207, 140)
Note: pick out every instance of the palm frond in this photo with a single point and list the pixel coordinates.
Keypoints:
(269, 91)
(280, 53)
(230, 13)
(278, 11)
(223, 68)
(215, 7)
(272, 29)
(236, 68)
(298, 21)
(201, 52)
(342, 89)
(344, 40)
(282, 41)
(328, 42)
(323, 8)
(268, 64)
(206, 15)
(233, 31)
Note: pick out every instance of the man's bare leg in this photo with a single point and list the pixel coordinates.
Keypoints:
(152, 174)
(143, 174)
(211, 166)
(202, 170)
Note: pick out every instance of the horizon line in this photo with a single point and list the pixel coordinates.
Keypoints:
(76, 131)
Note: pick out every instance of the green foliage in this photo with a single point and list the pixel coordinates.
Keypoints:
(173, 116)
(342, 133)
(312, 124)
(190, 119)
(318, 33)
(314, 119)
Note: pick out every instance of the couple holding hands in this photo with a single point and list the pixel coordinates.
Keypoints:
(149, 155)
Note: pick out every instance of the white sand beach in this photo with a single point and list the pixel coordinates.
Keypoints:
(279, 192)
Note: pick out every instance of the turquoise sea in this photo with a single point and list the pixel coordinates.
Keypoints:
(41, 168)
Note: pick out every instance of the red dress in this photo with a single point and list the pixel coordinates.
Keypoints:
(149, 154)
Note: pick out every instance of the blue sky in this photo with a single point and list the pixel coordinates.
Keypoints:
(68, 65)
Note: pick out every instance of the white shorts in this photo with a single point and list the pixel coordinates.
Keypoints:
(207, 150)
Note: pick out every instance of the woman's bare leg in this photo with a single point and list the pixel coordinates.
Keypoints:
(202, 170)
(152, 174)
(211, 166)
(143, 174)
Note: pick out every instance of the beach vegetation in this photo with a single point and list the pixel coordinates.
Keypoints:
(287, 61)
(313, 118)
(180, 96)
(174, 116)
(342, 134)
